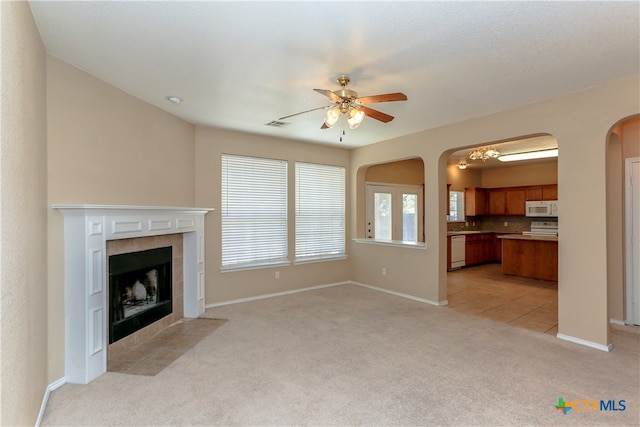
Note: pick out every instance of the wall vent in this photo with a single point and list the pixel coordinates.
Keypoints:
(276, 124)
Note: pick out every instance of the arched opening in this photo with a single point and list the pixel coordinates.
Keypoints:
(391, 201)
(488, 210)
(622, 169)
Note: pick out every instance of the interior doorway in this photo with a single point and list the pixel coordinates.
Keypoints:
(632, 225)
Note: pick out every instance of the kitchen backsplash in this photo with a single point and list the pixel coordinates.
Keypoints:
(514, 224)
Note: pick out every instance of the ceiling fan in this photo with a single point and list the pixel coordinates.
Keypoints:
(345, 101)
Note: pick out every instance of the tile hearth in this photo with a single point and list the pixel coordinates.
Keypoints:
(156, 353)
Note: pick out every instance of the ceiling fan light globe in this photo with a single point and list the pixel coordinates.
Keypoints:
(332, 117)
(355, 118)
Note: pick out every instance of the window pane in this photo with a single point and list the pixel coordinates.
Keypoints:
(382, 209)
(456, 206)
(253, 210)
(409, 217)
(320, 211)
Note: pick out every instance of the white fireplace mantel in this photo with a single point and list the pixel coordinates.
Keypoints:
(86, 231)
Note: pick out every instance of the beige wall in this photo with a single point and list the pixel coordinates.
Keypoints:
(228, 286)
(514, 176)
(511, 176)
(23, 219)
(407, 172)
(106, 147)
(581, 123)
(461, 179)
(624, 143)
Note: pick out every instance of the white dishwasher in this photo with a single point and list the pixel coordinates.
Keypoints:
(457, 251)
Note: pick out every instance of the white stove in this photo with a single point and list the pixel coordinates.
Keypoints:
(543, 228)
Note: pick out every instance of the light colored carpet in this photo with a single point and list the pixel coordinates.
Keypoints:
(349, 355)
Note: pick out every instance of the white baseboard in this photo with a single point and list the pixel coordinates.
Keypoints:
(580, 341)
(400, 294)
(617, 322)
(54, 385)
(275, 294)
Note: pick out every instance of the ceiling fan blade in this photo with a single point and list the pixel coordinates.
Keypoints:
(387, 97)
(302, 112)
(375, 114)
(332, 96)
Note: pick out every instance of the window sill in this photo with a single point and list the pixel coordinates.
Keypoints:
(319, 259)
(395, 243)
(255, 266)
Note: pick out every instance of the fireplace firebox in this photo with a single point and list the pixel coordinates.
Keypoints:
(140, 289)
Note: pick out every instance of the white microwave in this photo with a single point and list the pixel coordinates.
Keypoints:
(546, 208)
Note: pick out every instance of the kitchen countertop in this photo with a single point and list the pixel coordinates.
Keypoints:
(528, 237)
(461, 233)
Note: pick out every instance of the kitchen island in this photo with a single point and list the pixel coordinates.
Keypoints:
(530, 256)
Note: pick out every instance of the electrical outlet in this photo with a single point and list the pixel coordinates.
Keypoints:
(384, 271)
(506, 224)
(277, 274)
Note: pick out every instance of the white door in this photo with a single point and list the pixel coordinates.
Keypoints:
(394, 212)
(632, 214)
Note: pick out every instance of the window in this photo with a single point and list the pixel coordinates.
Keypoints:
(320, 211)
(394, 212)
(254, 211)
(456, 206)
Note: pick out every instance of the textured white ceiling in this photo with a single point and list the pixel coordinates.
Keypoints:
(239, 65)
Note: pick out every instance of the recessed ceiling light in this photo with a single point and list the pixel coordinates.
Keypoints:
(174, 99)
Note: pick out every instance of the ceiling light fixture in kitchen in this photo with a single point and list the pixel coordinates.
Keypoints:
(484, 153)
(544, 154)
(462, 165)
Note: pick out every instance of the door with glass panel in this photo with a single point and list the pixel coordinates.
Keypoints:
(394, 212)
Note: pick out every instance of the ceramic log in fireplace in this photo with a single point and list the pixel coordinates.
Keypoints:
(140, 290)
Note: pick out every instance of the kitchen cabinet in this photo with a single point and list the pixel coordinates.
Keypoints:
(448, 199)
(533, 193)
(480, 248)
(449, 253)
(475, 201)
(530, 256)
(550, 192)
(515, 201)
(541, 192)
(497, 201)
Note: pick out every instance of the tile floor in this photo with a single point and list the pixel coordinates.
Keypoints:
(159, 351)
(484, 291)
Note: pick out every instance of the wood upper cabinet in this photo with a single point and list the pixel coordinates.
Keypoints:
(475, 201)
(448, 199)
(533, 193)
(515, 198)
(550, 192)
(542, 192)
(497, 201)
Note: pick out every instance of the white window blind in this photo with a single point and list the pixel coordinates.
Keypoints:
(320, 212)
(254, 211)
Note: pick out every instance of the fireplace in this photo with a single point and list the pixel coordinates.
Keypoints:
(140, 289)
(90, 231)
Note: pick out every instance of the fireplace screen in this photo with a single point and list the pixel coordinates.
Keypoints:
(140, 290)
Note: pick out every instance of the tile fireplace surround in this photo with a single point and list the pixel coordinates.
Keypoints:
(87, 228)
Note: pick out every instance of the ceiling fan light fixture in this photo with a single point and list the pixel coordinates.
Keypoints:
(332, 117)
(355, 118)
